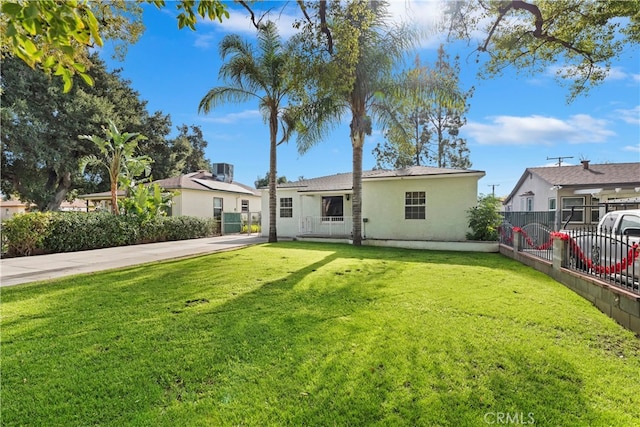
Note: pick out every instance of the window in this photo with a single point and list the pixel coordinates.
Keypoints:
(286, 207)
(529, 204)
(578, 212)
(415, 205)
(609, 222)
(332, 208)
(595, 210)
(217, 208)
(245, 205)
(552, 204)
(628, 221)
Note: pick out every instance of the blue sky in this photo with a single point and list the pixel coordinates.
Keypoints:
(515, 121)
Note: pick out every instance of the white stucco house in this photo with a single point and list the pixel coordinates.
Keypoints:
(413, 204)
(200, 194)
(559, 188)
(11, 207)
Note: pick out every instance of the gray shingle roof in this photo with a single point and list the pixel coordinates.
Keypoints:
(344, 181)
(598, 174)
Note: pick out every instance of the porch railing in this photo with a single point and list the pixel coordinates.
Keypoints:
(326, 226)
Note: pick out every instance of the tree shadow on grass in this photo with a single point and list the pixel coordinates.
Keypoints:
(315, 345)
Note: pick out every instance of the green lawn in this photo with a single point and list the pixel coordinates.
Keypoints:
(314, 334)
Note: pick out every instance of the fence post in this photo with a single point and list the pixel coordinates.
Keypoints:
(517, 241)
(559, 253)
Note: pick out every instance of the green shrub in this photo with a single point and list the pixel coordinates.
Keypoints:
(484, 219)
(55, 232)
(78, 231)
(25, 233)
(255, 228)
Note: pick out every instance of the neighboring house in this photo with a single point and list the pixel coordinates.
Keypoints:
(74, 206)
(417, 204)
(11, 207)
(200, 194)
(559, 188)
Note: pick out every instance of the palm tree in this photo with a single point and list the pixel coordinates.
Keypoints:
(259, 72)
(118, 158)
(355, 68)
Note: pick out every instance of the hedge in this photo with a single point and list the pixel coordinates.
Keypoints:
(54, 232)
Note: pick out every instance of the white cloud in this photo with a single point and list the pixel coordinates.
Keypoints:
(632, 148)
(243, 116)
(239, 21)
(535, 130)
(631, 116)
(205, 41)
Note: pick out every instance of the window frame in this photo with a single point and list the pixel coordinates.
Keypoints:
(327, 216)
(218, 210)
(415, 205)
(566, 212)
(244, 205)
(286, 206)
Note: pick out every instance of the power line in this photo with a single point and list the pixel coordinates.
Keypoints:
(560, 159)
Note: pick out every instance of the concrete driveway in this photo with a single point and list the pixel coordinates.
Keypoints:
(14, 271)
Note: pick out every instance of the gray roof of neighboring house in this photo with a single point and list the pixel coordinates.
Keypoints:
(201, 180)
(608, 174)
(344, 181)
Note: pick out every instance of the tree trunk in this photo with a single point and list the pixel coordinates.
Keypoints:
(273, 129)
(357, 189)
(64, 184)
(114, 197)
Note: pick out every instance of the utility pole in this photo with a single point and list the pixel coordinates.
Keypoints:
(493, 188)
(560, 159)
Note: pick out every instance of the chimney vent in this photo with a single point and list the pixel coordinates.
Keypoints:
(585, 164)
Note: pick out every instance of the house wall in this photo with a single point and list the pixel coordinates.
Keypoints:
(7, 212)
(286, 227)
(447, 202)
(543, 191)
(200, 203)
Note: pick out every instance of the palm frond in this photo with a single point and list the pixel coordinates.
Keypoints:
(223, 94)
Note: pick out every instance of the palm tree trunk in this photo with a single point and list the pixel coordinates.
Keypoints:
(114, 197)
(358, 141)
(273, 130)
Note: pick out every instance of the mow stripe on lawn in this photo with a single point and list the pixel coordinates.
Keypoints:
(314, 334)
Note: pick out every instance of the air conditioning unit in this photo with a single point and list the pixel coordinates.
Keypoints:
(223, 172)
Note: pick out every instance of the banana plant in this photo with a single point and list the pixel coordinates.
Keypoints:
(117, 156)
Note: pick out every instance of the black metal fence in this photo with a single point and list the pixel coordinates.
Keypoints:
(533, 229)
(611, 257)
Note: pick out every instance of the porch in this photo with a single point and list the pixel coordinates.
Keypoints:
(326, 226)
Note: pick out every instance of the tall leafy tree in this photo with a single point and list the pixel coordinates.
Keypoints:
(118, 156)
(259, 72)
(188, 150)
(427, 112)
(41, 124)
(262, 182)
(583, 37)
(351, 50)
(55, 36)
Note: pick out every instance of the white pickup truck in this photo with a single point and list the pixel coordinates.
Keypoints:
(611, 250)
